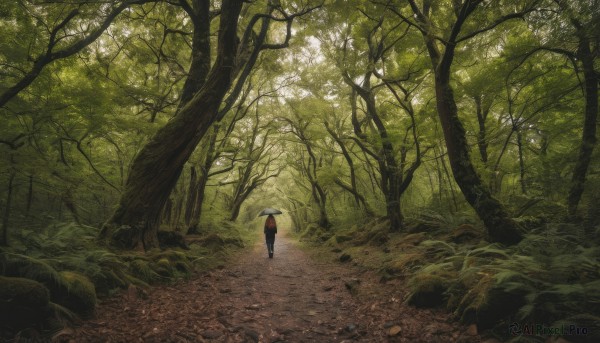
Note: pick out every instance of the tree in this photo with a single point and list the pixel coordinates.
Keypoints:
(259, 164)
(158, 166)
(395, 173)
(584, 18)
(65, 39)
(352, 188)
(501, 228)
(308, 165)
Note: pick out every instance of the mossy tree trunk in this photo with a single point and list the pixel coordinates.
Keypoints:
(191, 197)
(158, 165)
(588, 140)
(6, 214)
(501, 228)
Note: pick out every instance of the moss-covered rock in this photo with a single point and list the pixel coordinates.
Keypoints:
(427, 290)
(23, 303)
(500, 303)
(176, 259)
(375, 233)
(493, 298)
(109, 280)
(212, 241)
(316, 233)
(235, 241)
(311, 230)
(163, 267)
(345, 258)
(81, 294)
(405, 262)
(423, 226)
(16, 265)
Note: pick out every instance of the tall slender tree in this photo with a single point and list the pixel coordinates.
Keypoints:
(442, 50)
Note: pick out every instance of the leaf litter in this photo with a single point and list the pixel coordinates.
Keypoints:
(290, 298)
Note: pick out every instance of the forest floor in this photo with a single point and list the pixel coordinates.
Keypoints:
(298, 296)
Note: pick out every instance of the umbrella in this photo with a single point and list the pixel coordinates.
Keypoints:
(268, 211)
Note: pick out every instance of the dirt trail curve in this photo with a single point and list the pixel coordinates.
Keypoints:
(290, 298)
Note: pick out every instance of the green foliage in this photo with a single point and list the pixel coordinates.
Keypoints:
(18, 265)
(551, 278)
(73, 250)
(55, 240)
(81, 297)
(70, 138)
(315, 232)
(142, 270)
(548, 277)
(104, 268)
(374, 233)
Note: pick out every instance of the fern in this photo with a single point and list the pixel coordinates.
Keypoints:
(490, 252)
(141, 269)
(436, 247)
(30, 268)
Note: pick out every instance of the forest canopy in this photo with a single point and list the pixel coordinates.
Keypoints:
(136, 117)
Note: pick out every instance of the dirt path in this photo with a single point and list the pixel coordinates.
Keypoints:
(290, 298)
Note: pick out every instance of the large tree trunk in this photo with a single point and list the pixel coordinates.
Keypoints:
(392, 207)
(194, 228)
(29, 195)
(237, 204)
(200, 64)
(6, 216)
(391, 175)
(157, 167)
(322, 202)
(192, 196)
(588, 140)
(235, 210)
(501, 228)
(318, 193)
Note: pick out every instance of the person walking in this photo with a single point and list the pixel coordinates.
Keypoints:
(270, 232)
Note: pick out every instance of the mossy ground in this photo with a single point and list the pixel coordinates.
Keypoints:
(68, 264)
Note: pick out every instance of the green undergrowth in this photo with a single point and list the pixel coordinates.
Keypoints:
(66, 261)
(551, 279)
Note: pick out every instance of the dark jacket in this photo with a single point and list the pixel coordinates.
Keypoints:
(270, 227)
